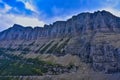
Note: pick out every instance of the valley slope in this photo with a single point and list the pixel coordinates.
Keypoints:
(89, 41)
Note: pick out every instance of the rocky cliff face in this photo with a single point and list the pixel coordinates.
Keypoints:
(82, 23)
(94, 37)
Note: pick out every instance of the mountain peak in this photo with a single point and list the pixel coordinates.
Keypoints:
(101, 11)
(17, 26)
(81, 23)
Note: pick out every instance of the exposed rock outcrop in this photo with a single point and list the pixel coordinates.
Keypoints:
(82, 23)
(91, 36)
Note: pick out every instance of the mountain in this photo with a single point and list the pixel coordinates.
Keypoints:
(93, 37)
(98, 21)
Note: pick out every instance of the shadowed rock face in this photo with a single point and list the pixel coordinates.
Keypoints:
(91, 36)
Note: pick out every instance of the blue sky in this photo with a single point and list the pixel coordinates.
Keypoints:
(40, 12)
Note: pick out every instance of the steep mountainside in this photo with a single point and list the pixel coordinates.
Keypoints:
(93, 37)
(82, 23)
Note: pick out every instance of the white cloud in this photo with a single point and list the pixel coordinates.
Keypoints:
(8, 20)
(4, 10)
(27, 21)
(5, 22)
(29, 6)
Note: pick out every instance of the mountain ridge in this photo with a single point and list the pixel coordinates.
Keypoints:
(93, 37)
(75, 25)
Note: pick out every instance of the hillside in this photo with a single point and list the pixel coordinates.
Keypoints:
(89, 42)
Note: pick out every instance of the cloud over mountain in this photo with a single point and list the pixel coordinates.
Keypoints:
(48, 11)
